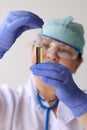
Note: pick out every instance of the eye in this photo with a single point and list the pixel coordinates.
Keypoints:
(64, 51)
(45, 45)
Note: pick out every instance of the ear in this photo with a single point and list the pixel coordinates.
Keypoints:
(79, 61)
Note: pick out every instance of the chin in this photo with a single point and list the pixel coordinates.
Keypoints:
(39, 82)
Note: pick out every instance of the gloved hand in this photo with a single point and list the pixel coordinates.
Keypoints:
(14, 25)
(59, 77)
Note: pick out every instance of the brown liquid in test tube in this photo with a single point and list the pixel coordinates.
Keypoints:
(38, 54)
(39, 50)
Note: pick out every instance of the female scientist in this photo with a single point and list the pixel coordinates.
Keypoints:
(50, 100)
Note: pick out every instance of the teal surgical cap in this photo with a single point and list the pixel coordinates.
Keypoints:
(65, 31)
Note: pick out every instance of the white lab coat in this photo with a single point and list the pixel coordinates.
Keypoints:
(19, 110)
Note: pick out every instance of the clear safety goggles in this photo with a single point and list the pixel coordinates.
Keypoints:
(63, 51)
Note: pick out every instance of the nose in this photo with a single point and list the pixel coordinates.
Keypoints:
(52, 55)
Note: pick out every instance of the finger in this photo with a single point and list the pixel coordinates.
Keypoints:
(23, 13)
(23, 21)
(49, 66)
(19, 13)
(21, 30)
(36, 18)
(48, 73)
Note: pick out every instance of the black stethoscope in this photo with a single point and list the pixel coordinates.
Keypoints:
(46, 108)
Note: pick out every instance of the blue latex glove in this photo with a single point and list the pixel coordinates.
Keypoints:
(14, 25)
(61, 79)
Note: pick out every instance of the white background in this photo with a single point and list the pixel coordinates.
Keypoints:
(14, 67)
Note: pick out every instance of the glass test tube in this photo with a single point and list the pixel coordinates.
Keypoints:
(39, 50)
(38, 54)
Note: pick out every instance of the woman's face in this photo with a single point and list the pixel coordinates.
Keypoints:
(54, 51)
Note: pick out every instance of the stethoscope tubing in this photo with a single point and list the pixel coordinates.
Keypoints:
(47, 108)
